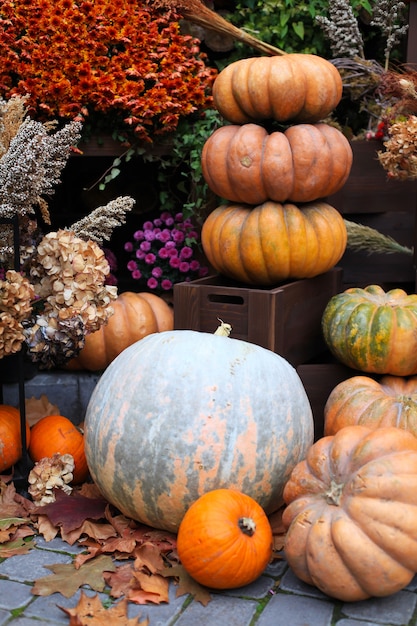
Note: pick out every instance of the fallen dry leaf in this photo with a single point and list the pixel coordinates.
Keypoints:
(36, 408)
(12, 548)
(13, 504)
(90, 612)
(186, 584)
(70, 511)
(100, 532)
(66, 579)
(46, 528)
(120, 580)
(145, 588)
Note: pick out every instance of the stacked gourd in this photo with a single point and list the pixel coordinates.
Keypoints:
(351, 514)
(275, 224)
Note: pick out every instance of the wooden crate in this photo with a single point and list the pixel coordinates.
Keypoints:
(285, 319)
(319, 378)
(388, 206)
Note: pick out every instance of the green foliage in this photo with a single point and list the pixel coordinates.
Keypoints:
(286, 24)
(181, 183)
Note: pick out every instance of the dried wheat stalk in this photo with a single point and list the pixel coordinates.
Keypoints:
(368, 239)
(198, 13)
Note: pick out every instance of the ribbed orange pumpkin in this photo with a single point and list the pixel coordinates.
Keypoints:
(351, 513)
(10, 439)
(304, 163)
(225, 539)
(135, 316)
(181, 413)
(273, 242)
(56, 434)
(391, 401)
(293, 87)
(373, 331)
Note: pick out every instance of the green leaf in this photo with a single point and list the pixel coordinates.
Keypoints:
(298, 28)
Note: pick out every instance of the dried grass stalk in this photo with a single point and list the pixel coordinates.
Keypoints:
(365, 238)
(198, 13)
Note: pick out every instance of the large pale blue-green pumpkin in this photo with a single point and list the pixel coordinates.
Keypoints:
(180, 413)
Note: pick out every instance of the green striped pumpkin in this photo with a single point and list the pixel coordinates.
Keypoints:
(372, 330)
(180, 413)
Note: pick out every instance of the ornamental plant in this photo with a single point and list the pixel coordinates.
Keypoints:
(117, 65)
(53, 287)
(163, 252)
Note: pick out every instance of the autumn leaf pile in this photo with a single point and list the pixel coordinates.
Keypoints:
(131, 561)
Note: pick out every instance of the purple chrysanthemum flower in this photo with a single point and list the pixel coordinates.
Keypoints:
(152, 283)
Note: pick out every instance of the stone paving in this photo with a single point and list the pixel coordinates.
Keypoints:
(277, 598)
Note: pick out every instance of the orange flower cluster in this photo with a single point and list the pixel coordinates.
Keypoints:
(100, 57)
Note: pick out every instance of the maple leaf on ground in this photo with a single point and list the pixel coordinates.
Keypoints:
(120, 580)
(13, 504)
(141, 532)
(148, 588)
(70, 511)
(46, 528)
(66, 579)
(186, 584)
(97, 531)
(90, 612)
(148, 556)
(14, 547)
(9, 526)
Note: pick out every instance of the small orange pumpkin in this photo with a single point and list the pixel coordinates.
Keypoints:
(135, 316)
(56, 434)
(10, 439)
(391, 401)
(225, 539)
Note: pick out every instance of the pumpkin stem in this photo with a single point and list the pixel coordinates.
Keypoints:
(247, 525)
(334, 493)
(224, 329)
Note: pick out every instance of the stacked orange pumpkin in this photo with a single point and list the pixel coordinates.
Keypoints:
(275, 224)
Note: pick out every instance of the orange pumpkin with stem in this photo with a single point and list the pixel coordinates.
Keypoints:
(225, 539)
(372, 330)
(288, 88)
(351, 514)
(10, 438)
(56, 434)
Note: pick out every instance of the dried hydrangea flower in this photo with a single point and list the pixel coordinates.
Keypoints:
(48, 474)
(53, 339)
(399, 157)
(16, 294)
(71, 272)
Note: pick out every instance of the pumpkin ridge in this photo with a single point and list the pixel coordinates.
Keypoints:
(342, 528)
(321, 534)
(252, 232)
(231, 253)
(401, 548)
(298, 229)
